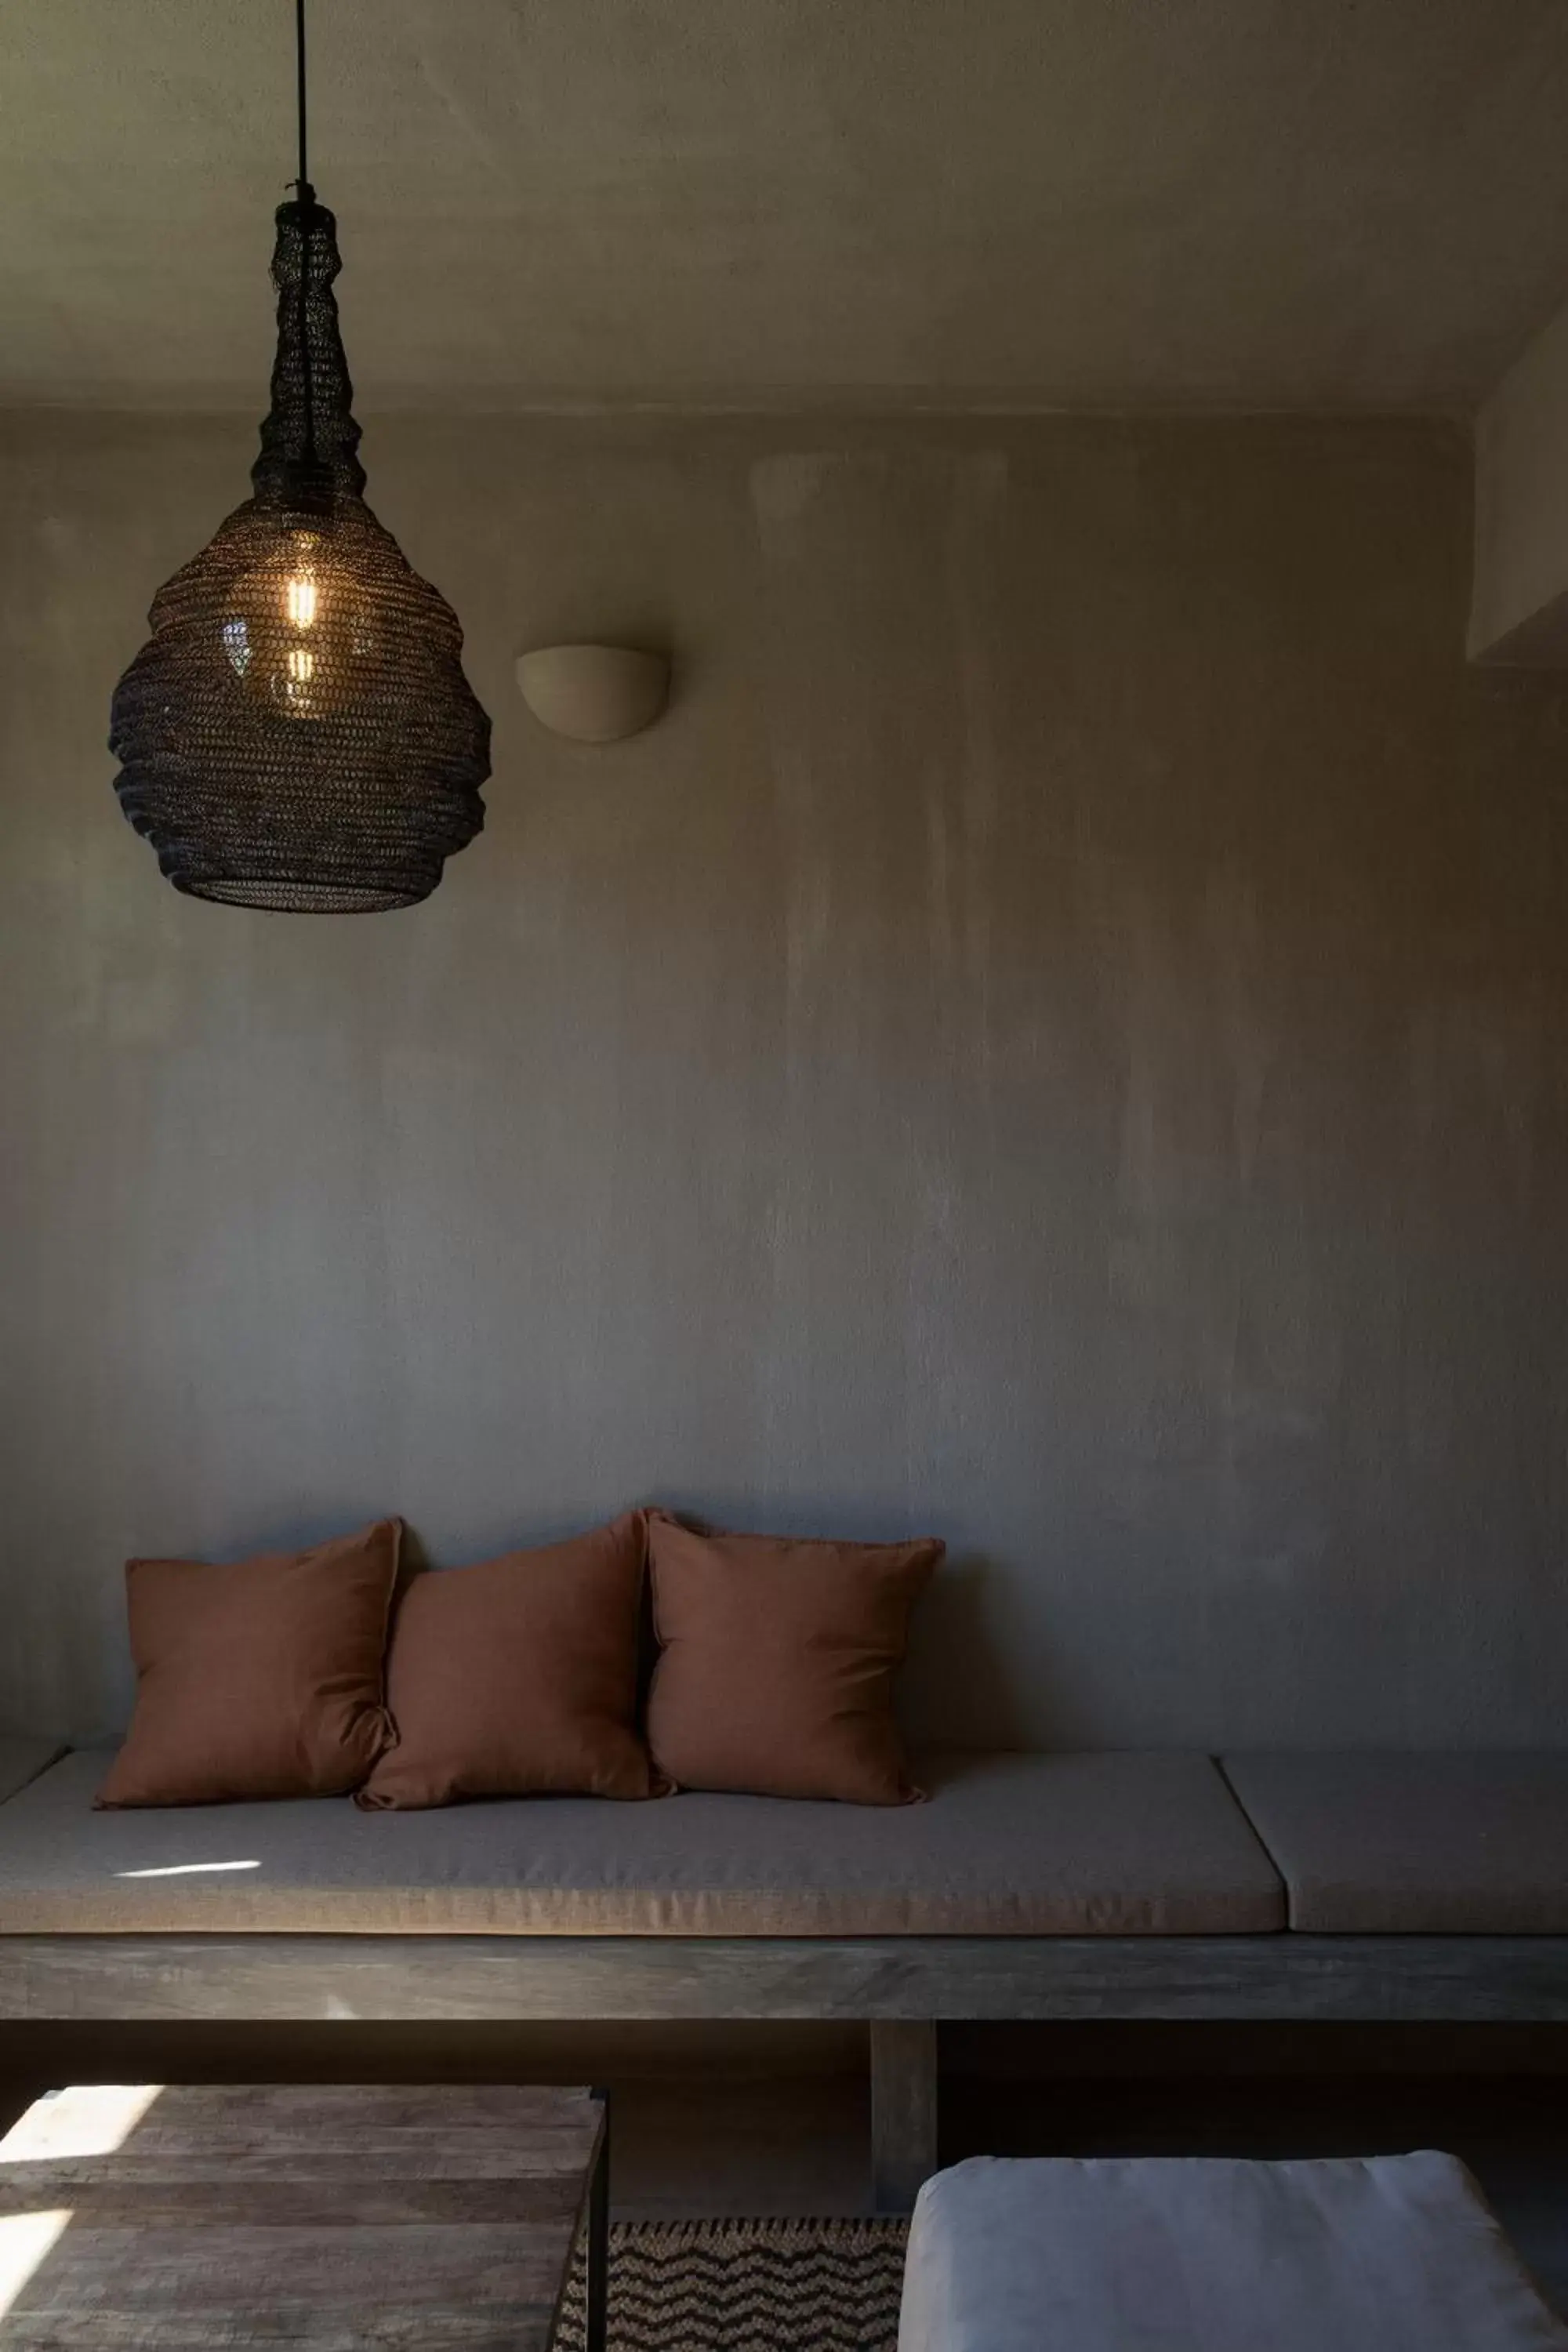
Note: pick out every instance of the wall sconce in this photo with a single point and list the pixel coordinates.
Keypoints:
(594, 694)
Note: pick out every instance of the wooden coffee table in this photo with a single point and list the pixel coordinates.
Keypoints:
(325, 2220)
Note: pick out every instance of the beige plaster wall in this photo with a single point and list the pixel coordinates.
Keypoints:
(1058, 1038)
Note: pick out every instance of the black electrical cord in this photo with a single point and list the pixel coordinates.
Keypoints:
(307, 197)
(304, 180)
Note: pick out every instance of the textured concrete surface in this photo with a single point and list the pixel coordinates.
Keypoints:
(1243, 203)
(1058, 1038)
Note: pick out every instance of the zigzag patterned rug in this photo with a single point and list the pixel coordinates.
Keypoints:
(748, 2286)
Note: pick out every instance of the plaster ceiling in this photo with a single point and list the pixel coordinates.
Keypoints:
(1076, 203)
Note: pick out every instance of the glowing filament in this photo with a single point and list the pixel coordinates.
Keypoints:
(299, 596)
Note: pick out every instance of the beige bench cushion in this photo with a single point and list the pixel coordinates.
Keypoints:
(1007, 1846)
(1414, 1844)
(22, 1760)
(1389, 2253)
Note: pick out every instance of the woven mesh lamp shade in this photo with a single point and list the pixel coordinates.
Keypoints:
(298, 732)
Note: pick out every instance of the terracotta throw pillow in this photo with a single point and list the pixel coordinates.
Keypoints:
(260, 1679)
(776, 1665)
(519, 1676)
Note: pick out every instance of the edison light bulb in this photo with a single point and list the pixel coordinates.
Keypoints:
(297, 635)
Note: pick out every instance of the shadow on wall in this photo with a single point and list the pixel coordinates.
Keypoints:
(953, 1644)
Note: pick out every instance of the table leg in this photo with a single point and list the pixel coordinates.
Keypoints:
(598, 2257)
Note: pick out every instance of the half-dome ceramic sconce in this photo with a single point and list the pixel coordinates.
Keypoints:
(594, 694)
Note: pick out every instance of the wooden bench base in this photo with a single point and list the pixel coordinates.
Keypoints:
(903, 2110)
(1458, 1978)
(898, 1986)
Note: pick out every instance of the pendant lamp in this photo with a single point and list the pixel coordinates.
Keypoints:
(298, 732)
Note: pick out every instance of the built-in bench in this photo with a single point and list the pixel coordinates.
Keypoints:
(1041, 1886)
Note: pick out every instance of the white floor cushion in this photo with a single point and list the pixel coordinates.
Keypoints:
(1389, 2253)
